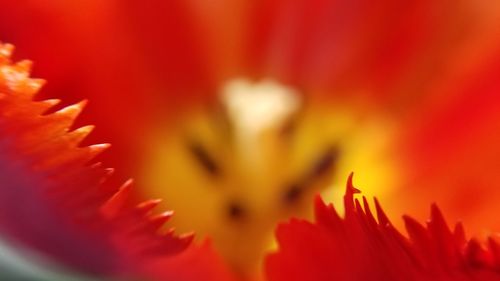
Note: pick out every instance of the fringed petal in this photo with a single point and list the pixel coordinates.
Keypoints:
(362, 247)
(54, 200)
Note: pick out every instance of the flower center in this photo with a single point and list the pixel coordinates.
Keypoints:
(233, 169)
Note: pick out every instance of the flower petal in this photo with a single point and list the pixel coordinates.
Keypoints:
(360, 247)
(54, 201)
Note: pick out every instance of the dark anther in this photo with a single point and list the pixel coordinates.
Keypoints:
(292, 193)
(235, 211)
(324, 162)
(204, 158)
(288, 128)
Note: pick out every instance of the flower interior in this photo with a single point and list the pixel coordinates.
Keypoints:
(234, 168)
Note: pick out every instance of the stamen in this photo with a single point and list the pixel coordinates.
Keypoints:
(256, 106)
(204, 158)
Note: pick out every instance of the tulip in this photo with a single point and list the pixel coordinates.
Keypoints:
(237, 113)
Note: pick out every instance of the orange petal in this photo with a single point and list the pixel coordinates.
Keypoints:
(360, 247)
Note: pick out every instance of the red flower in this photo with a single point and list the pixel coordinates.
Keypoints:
(56, 202)
(405, 94)
(361, 247)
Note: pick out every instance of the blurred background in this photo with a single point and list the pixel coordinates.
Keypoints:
(407, 92)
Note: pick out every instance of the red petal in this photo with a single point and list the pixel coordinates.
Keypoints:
(358, 247)
(53, 200)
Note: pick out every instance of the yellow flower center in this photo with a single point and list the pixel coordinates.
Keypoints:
(234, 169)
